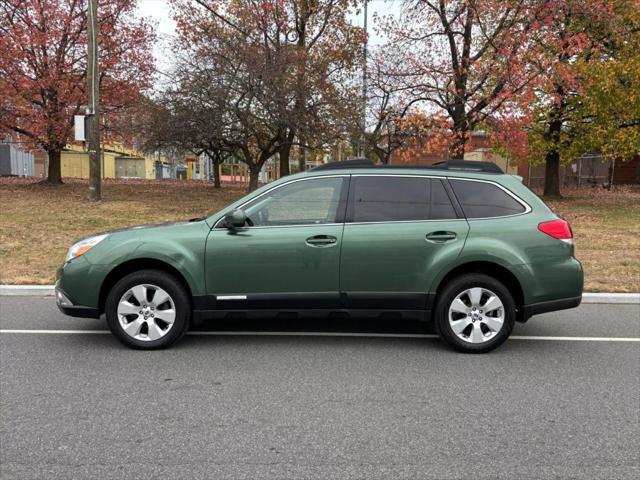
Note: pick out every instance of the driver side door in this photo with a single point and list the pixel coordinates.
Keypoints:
(289, 257)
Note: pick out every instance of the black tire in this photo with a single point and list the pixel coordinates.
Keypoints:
(456, 287)
(170, 285)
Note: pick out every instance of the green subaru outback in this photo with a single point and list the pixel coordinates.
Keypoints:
(459, 243)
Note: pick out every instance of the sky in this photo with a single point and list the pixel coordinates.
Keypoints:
(160, 13)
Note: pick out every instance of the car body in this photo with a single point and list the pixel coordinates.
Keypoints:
(348, 238)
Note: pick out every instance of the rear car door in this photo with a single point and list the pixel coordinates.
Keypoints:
(399, 231)
(289, 257)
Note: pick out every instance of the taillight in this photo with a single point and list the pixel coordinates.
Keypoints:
(559, 229)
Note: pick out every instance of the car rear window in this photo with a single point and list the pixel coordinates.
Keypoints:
(482, 199)
(392, 199)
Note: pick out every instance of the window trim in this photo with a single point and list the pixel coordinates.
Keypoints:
(454, 201)
(342, 203)
(527, 207)
(345, 191)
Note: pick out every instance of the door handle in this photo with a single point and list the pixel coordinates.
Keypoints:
(441, 236)
(321, 241)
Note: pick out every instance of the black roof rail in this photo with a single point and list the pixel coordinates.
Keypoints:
(356, 162)
(469, 166)
(456, 165)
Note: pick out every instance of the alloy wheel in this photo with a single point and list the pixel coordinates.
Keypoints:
(476, 315)
(146, 312)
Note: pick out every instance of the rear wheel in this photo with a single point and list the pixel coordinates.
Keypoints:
(148, 309)
(475, 313)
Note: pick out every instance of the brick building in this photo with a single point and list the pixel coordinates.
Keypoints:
(423, 152)
(589, 169)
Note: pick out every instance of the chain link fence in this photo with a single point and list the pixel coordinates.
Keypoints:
(588, 170)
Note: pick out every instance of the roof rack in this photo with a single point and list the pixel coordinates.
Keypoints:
(470, 166)
(356, 162)
(457, 165)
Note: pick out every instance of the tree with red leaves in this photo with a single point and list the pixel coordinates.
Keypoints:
(572, 38)
(585, 98)
(43, 66)
(462, 59)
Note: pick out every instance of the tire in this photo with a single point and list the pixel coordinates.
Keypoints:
(148, 310)
(475, 313)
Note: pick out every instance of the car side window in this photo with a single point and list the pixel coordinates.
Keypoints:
(483, 200)
(396, 198)
(307, 202)
(441, 206)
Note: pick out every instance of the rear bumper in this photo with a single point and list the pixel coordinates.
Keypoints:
(550, 306)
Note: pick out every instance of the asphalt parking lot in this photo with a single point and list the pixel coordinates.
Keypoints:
(362, 400)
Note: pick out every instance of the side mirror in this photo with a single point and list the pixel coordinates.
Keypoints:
(236, 219)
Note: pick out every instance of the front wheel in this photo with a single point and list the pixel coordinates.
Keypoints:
(475, 313)
(148, 310)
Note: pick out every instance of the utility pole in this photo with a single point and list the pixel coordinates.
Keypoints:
(93, 110)
(363, 139)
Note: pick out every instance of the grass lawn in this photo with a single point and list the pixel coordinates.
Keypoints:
(38, 223)
(606, 229)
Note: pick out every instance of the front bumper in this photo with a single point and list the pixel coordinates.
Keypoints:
(67, 307)
(77, 288)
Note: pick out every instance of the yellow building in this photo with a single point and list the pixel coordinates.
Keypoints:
(117, 162)
(485, 154)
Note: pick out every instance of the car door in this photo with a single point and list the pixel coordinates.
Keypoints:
(399, 231)
(289, 257)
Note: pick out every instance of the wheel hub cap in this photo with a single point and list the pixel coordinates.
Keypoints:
(476, 315)
(146, 312)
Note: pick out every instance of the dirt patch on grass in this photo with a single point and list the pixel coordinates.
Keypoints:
(39, 222)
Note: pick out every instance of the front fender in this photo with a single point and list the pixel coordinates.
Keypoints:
(181, 246)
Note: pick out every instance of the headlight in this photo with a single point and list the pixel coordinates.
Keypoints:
(83, 246)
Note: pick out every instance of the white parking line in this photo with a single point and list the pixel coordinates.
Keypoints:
(55, 332)
(331, 334)
(576, 339)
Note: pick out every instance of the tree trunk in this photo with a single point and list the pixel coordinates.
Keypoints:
(216, 174)
(456, 152)
(552, 162)
(382, 156)
(254, 173)
(54, 176)
(552, 174)
(302, 161)
(285, 153)
(460, 129)
(302, 158)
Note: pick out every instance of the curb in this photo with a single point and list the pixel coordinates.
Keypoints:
(27, 290)
(628, 298)
(48, 291)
